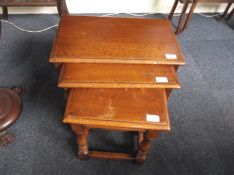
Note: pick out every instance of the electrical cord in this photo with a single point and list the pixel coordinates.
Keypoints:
(109, 14)
(209, 16)
(29, 31)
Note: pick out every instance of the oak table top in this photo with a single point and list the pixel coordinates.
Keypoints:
(121, 108)
(115, 40)
(87, 75)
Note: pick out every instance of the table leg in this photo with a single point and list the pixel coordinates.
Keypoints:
(5, 12)
(168, 93)
(181, 20)
(58, 66)
(62, 7)
(226, 10)
(230, 14)
(82, 133)
(190, 14)
(176, 67)
(145, 146)
(66, 93)
(0, 28)
(173, 10)
(140, 138)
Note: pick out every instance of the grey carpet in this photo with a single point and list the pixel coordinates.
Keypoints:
(201, 141)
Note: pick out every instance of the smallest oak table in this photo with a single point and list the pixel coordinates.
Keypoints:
(118, 74)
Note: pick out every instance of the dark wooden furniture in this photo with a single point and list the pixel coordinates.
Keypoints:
(118, 74)
(10, 109)
(225, 14)
(61, 5)
(183, 25)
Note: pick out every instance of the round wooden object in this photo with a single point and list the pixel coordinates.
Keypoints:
(10, 108)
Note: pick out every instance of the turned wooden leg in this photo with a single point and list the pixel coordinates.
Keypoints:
(82, 142)
(168, 93)
(181, 20)
(140, 138)
(190, 14)
(176, 67)
(82, 133)
(230, 14)
(66, 93)
(58, 66)
(173, 10)
(5, 12)
(145, 146)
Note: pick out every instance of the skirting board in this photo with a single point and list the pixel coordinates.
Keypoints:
(201, 8)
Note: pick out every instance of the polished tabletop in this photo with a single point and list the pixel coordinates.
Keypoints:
(121, 108)
(116, 40)
(85, 75)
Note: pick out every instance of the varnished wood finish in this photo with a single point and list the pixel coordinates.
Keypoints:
(140, 138)
(126, 108)
(230, 14)
(82, 133)
(10, 110)
(226, 10)
(61, 5)
(170, 16)
(111, 155)
(190, 14)
(115, 40)
(182, 16)
(183, 25)
(84, 153)
(108, 68)
(145, 146)
(116, 76)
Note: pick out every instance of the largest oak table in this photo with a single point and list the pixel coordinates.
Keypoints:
(118, 74)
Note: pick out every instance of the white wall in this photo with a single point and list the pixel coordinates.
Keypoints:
(118, 6)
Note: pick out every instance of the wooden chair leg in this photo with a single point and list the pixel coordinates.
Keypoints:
(230, 14)
(5, 12)
(181, 20)
(190, 14)
(62, 7)
(173, 10)
(0, 28)
(82, 141)
(145, 146)
(226, 10)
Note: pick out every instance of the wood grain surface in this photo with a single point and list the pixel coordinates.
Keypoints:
(125, 108)
(115, 40)
(117, 76)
